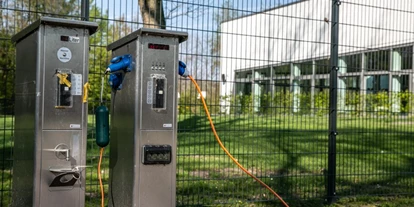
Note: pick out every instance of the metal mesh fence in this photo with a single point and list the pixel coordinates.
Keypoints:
(265, 68)
(373, 148)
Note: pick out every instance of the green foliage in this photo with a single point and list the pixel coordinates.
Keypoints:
(7, 65)
(190, 103)
(353, 102)
(98, 58)
(241, 104)
(7, 52)
(378, 103)
(406, 99)
(305, 103)
(283, 102)
(382, 102)
(321, 103)
(184, 104)
(265, 103)
(245, 103)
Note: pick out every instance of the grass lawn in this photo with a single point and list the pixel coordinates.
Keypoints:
(290, 153)
(375, 163)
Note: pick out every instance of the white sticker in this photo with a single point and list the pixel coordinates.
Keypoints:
(75, 126)
(77, 87)
(167, 125)
(64, 54)
(73, 39)
(149, 92)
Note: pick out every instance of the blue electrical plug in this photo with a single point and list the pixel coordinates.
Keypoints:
(120, 63)
(182, 71)
(118, 67)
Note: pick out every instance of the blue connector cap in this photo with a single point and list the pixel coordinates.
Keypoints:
(120, 63)
(117, 69)
(182, 69)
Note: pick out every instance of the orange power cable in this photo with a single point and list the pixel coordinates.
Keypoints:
(225, 149)
(100, 177)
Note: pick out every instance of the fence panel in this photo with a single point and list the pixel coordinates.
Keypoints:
(374, 145)
(257, 66)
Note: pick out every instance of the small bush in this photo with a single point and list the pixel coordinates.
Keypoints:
(321, 100)
(406, 101)
(353, 102)
(282, 102)
(266, 104)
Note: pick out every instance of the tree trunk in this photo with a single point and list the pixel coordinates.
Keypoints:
(152, 13)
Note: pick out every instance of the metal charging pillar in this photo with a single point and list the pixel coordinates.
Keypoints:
(50, 115)
(144, 121)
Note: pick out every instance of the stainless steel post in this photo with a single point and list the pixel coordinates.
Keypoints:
(144, 121)
(50, 115)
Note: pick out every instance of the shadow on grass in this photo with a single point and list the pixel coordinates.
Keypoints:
(195, 123)
(374, 159)
(386, 162)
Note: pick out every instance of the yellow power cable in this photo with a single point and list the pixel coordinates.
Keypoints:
(100, 177)
(225, 149)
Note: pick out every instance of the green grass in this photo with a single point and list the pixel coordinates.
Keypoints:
(289, 152)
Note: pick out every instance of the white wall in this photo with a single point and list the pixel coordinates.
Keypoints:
(298, 31)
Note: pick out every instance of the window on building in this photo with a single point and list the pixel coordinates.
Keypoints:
(321, 85)
(282, 85)
(352, 83)
(352, 92)
(243, 75)
(262, 73)
(322, 66)
(264, 87)
(353, 63)
(405, 83)
(305, 68)
(377, 83)
(400, 83)
(305, 86)
(406, 54)
(243, 88)
(377, 61)
(283, 70)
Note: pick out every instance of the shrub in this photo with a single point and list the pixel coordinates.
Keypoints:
(282, 102)
(265, 104)
(378, 103)
(321, 100)
(246, 103)
(406, 102)
(305, 103)
(353, 102)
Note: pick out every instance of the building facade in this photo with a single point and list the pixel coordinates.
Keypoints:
(288, 48)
